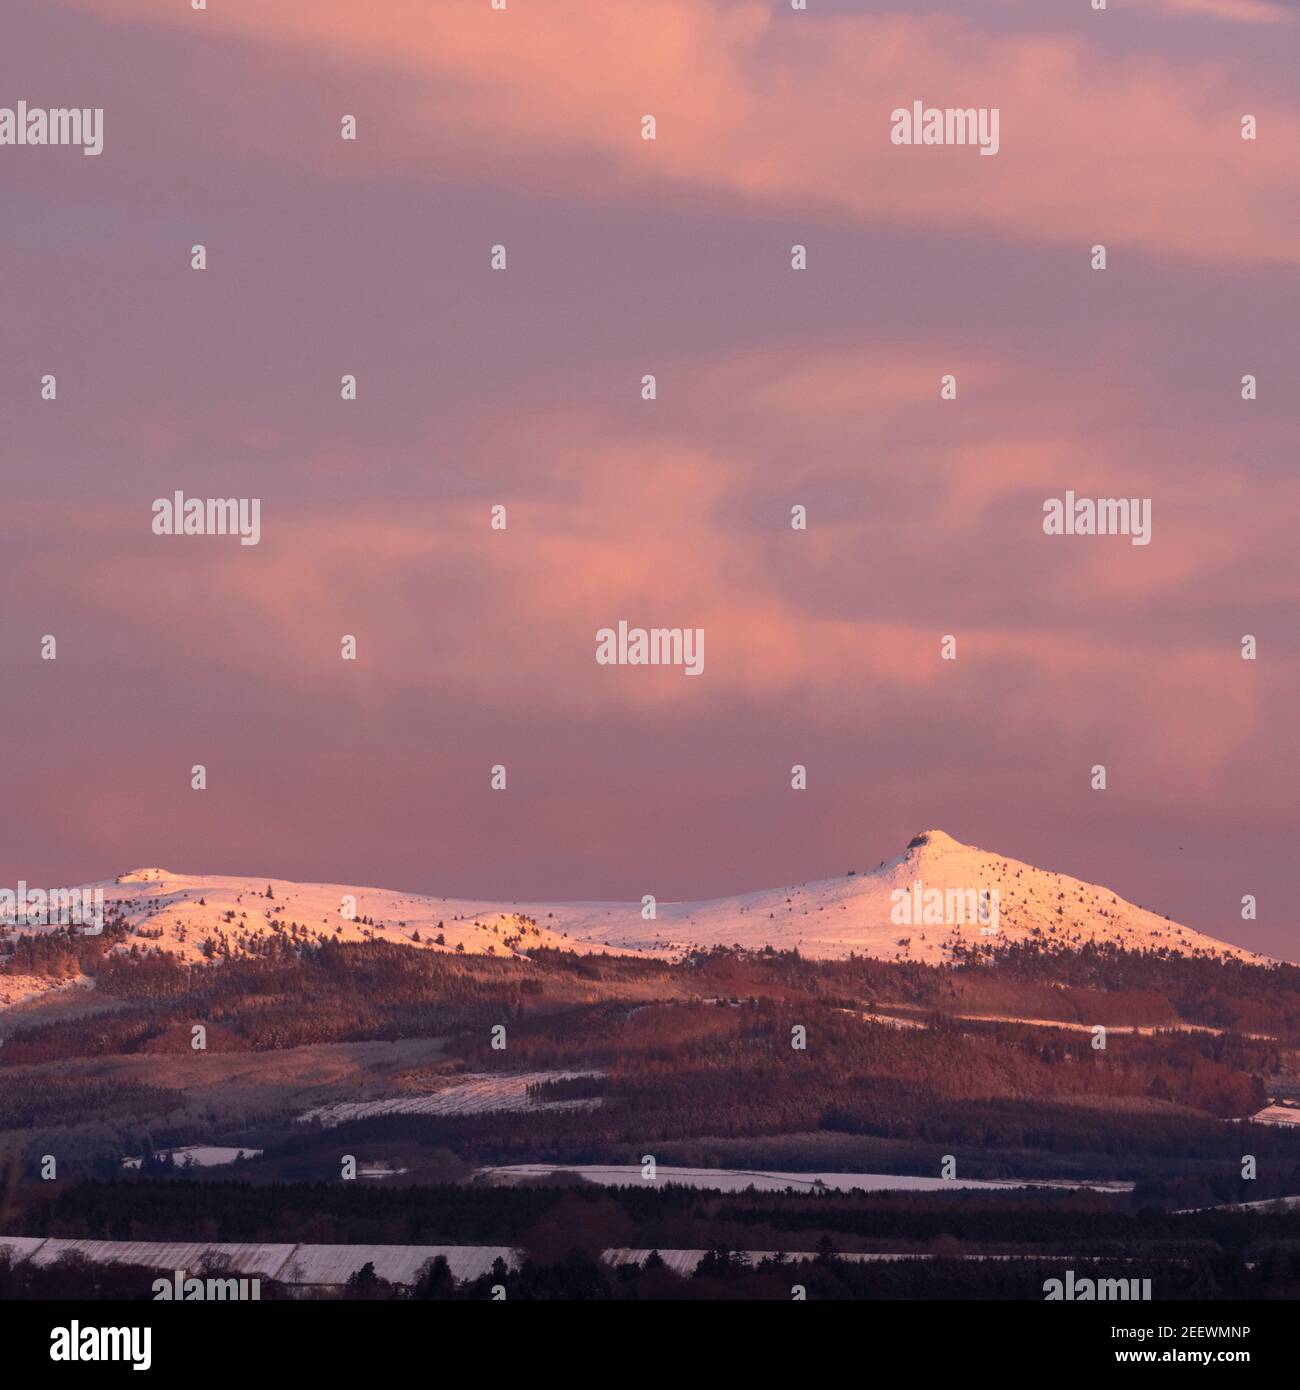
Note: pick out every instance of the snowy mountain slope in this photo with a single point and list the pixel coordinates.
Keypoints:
(197, 915)
(833, 917)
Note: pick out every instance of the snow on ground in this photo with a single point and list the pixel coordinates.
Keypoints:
(920, 1017)
(887, 1020)
(1269, 1204)
(330, 1266)
(832, 917)
(15, 989)
(245, 1259)
(319, 1266)
(737, 1180)
(1276, 1115)
(198, 1156)
(195, 916)
(327, 1265)
(475, 1093)
(684, 1262)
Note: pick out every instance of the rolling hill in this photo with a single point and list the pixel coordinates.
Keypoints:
(920, 905)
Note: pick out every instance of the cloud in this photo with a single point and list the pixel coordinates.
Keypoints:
(675, 528)
(789, 115)
(1241, 11)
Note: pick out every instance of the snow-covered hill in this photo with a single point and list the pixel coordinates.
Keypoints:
(197, 915)
(860, 912)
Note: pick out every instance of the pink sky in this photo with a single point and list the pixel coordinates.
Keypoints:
(775, 387)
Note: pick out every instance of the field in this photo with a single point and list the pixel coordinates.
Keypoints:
(1087, 1102)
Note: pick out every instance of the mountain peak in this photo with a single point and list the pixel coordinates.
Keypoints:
(934, 840)
(913, 907)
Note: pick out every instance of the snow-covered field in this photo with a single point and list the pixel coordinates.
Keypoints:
(1069, 1026)
(330, 1266)
(475, 1093)
(1268, 1204)
(198, 1156)
(1276, 1115)
(304, 1265)
(737, 1180)
(685, 1262)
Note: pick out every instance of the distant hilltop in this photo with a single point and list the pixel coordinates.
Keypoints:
(936, 899)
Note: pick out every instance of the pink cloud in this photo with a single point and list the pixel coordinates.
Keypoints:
(1134, 151)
